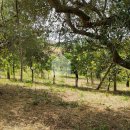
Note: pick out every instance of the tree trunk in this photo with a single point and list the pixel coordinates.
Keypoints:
(91, 75)
(18, 39)
(13, 69)
(108, 70)
(21, 61)
(21, 69)
(87, 76)
(32, 71)
(32, 75)
(108, 87)
(8, 72)
(54, 77)
(115, 81)
(127, 82)
(76, 78)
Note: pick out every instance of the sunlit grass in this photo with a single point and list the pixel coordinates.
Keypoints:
(70, 97)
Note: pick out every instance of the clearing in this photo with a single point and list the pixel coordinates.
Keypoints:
(43, 106)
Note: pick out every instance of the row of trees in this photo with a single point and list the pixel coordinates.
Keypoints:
(22, 36)
(34, 55)
(94, 64)
(98, 47)
(37, 55)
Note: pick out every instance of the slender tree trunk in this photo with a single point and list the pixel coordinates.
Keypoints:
(18, 39)
(76, 78)
(8, 72)
(21, 61)
(127, 82)
(108, 87)
(91, 75)
(32, 75)
(54, 77)
(87, 76)
(108, 70)
(21, 69)
(115, 81)
(13, 69)
(32, 71)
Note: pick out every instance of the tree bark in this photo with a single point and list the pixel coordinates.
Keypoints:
(54, 77)
(18, 38)
(91, 75)
(76, 78)
(127, 82)
(87, 76)
(8, 72)
(21, 69)
(108, 70)
(32, 71)
(117, 59)
(13, 69)
(32, 75)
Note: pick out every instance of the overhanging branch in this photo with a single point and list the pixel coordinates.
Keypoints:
(117, 58)
(77, 31)
(68, 9)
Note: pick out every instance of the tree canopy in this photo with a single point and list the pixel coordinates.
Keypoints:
(105, 21)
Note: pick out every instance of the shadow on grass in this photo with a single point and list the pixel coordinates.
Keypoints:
(92, 89)
(28, 106)
(88, 88)
(72, 77)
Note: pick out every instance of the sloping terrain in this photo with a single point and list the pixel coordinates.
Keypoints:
(60, 108)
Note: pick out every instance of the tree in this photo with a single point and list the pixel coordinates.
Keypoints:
(19, 21)
(101, 20)
(35, 53)
(73, 53)
(83, 59)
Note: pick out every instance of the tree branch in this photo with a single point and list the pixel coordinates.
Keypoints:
(77, 31)
(68, 9)
(117, 58)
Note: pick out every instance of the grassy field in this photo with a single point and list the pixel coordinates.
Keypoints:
(44, 106)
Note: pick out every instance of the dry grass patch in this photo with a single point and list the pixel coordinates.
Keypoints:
(55, 107)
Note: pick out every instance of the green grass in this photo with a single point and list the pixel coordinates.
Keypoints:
(77, 108)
